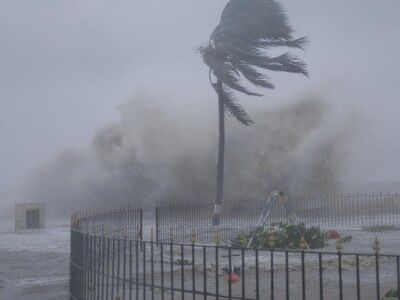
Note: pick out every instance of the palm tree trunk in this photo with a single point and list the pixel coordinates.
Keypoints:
(221, 155)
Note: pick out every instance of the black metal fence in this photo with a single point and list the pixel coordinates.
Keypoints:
(123, 221)
(105, 265)
(336, 210)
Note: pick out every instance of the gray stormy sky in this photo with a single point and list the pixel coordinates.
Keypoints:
(66, 65)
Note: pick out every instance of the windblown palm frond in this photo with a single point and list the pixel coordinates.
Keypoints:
(238, 47)
(235, 109)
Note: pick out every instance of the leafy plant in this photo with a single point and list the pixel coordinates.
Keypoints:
(286, 236)
(391, 295)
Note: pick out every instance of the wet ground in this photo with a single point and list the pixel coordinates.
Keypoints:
(34, 264)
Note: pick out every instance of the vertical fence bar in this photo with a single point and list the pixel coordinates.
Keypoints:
(321, 282)
(86, 264)
(137, 268)
(398, 276)
(230, 272)
(217, 271)
(243, 274)
(90, 275)
(124, 268)
(378, 292)
(287, 275)
(340, 275)
(162, 270)
(257, 277)
(205, 272)
(118, 262)
(130, 269)
(94, 266)
(157, 224)
(83, 267)
(112, 266)
(182, 272)
(108, 268)
(272, 274)
(171, 249)
(141, 227)
(99, 268)
(103, 240)
(144, 268)
(152, 267)
(193, 273)
(303, 276)
(358, 277)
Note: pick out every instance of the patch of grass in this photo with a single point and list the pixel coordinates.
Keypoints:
(380, 228)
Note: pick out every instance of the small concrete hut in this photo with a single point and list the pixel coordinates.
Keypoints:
(29, 216)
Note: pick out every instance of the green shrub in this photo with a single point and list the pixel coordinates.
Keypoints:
(391, 295)
(286, 236)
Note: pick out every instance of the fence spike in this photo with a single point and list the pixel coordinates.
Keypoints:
(151, 234)
(193, 237)
(272, 240)
(339, 244)
(171, 235)
(217, 239)
(303, 244)
(243, 240)
(376, 246)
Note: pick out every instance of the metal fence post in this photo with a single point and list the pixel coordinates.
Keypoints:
(157, 224)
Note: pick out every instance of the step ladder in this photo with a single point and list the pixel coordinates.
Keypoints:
(276, 197)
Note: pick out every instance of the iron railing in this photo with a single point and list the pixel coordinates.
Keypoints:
(105, 265)
(337, 210)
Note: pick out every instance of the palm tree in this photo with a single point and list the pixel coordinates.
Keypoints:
(237, 50)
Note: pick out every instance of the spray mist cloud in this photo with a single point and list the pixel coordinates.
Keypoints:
(148, 156)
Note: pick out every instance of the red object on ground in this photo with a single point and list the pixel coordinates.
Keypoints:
(232, 277)
(333, 234)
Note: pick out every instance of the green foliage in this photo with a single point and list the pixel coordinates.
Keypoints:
(288, 235)
(391, 295)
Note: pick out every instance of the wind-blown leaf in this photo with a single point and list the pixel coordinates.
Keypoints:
(253, 76)
(235, 109)
(233, 82)
(225, 72)
(299, 43)
(285, 62)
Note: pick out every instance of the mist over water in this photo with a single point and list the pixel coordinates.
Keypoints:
(153, 154)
